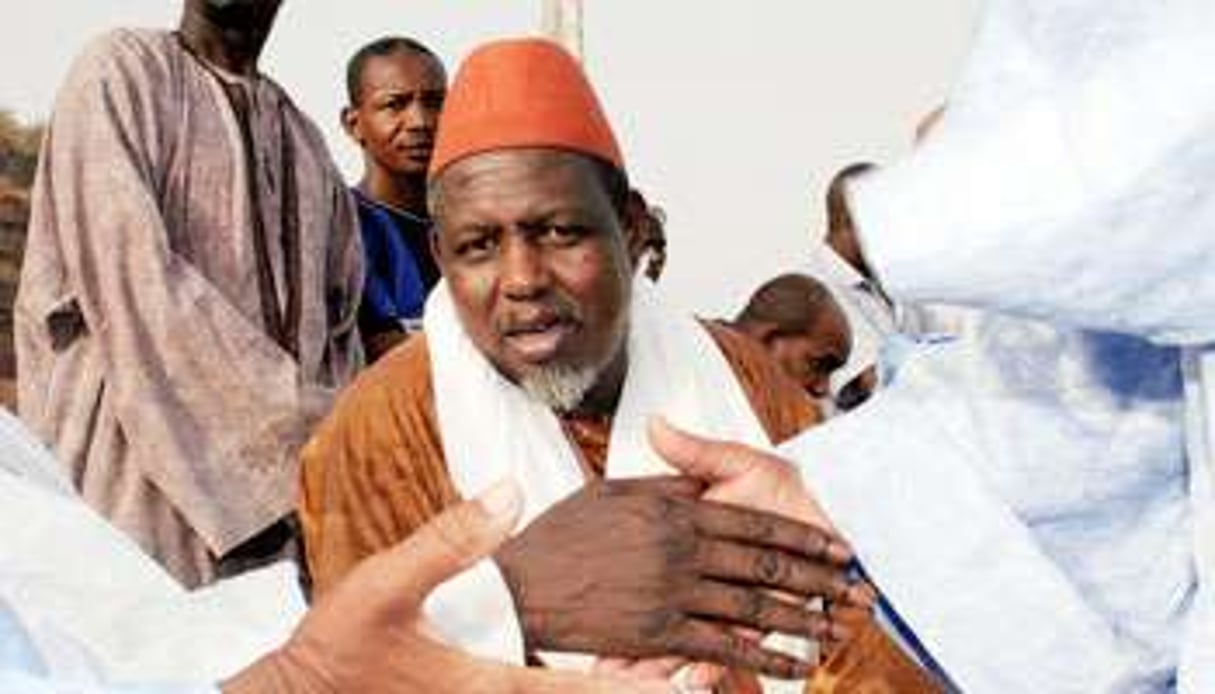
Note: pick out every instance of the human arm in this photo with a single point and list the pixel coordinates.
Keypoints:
(952, 558)
(1067, 179)
(369, 634)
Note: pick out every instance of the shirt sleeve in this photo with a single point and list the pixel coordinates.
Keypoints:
(1069, 177)
(901, 478)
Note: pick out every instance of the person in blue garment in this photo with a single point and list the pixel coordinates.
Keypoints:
(396, 86)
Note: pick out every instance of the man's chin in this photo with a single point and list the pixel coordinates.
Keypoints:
(559, 387)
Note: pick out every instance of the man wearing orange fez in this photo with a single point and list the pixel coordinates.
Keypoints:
(542, 360)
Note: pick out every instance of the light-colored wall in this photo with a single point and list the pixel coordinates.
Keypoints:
(733, 114)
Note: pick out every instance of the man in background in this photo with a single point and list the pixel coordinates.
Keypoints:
(802, 327)
(396, 88)
(186, 306)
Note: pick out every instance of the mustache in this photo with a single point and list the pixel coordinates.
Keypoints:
(556, 310)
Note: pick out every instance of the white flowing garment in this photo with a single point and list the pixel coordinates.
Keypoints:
(1068, 181)
(81, 604)
(491, 430)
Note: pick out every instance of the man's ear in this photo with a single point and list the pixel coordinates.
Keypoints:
(350, 123)
(632, 225)
(766, 332)
(436, 250)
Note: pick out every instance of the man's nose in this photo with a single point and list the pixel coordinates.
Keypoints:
(524, 272)
(420, 118)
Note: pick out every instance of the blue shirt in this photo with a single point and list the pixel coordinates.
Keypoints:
(400, 268)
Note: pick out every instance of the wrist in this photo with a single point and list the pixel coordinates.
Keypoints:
(508, 563)
(280, 671)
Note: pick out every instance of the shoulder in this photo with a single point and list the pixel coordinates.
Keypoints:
(374, 470)
(392, 399)
(783, 408)
(122, 74)
(305, 128)
(126, 52)
(383, 427)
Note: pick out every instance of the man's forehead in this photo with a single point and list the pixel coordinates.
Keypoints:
(558, 170)
(413, 63)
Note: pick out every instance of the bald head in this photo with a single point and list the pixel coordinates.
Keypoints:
(798, 320)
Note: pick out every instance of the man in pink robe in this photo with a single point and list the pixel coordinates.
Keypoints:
(187, 299)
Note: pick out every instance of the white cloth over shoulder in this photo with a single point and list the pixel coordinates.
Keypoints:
(83, 606)
(492, 429)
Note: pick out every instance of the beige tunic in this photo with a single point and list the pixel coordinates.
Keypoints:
(147, 356)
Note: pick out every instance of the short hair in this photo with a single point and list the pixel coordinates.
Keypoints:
(389, 45)
(614, 180)
(790, 302)
(837, 205)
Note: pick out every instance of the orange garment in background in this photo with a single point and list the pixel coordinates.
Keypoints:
(374, 472)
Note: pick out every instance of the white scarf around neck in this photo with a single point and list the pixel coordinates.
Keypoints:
(492, 429)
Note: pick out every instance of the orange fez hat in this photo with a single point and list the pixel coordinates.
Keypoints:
(521, 93)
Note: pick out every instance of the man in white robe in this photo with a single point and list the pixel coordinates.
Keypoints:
(1021, 555)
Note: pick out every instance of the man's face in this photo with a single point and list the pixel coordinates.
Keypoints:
(537, 265)
(812, 356)
(394, 121)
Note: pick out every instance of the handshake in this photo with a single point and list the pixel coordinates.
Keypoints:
(654, 574)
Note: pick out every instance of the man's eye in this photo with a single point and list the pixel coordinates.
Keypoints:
(396, 103)
(564, 233)
(476, 247)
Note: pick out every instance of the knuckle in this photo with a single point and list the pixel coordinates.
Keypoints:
(771, 568)
(750, 606)
(761, 527)
(453, 535)
(657, 625)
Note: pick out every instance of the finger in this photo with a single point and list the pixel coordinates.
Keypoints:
(774, 568)
(704, 675)
(450, 543)
(756, 609)
(861, 595)
(655, 668)
(611, 666)
(768, 529)
(715, 643)
(665, 485)
(707, 459)
(517, 680)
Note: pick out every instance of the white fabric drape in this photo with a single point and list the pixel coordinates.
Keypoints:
(491, 429)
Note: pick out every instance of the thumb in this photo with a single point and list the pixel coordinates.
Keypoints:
(707, 459)
(452, 542)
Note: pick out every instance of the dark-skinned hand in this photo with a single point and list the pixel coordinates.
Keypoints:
(369, 636)
(644, 568)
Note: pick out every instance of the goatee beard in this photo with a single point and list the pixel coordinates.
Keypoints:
(560, 388)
